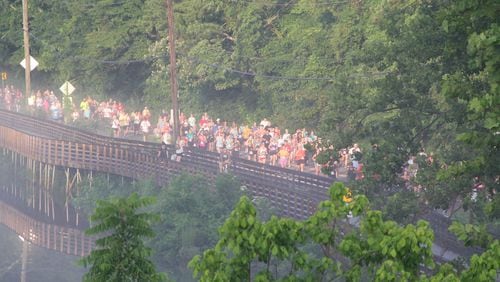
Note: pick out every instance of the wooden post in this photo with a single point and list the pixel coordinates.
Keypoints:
(33, 164)
(52, 190)
(61, 231)
(82, 246)
(66, 190)
(26, 36)
(55, 236)
(68, 241)
(44, 187)
(84, 152)
(173, 70)
(40, 190)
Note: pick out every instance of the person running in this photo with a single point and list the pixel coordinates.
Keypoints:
(273, 151)
(124, 120)
(219, 142)
(145, 126)
(163, 154)
(224, 160)
(300, 157)
(262, 153)
(115, 126)
(283, 155)
(137, 117)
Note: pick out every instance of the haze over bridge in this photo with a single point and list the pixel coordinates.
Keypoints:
(295, 194)
(37, 142)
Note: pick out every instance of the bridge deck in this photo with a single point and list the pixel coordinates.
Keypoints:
(295, 194)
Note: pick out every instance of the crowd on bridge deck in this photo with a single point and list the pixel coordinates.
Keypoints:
(46, 102)
(262, 142)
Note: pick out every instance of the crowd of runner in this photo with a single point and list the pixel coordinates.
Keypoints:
(262, 142)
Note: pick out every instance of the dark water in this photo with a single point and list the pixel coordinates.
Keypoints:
(41, 265)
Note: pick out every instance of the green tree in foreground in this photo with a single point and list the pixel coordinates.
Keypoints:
(120, 253)
(282, 249)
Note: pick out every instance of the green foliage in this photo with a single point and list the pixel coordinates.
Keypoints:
(190, 213)
(402, 207)
(120, 253)
(249, 249)
(246, 244)
(99, 187)
(383, 169)
(492, 208)
(484, 267)
(417, 74)
(471, 235)
(394, 251)
(475, 81)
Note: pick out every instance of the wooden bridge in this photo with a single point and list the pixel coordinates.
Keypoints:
(37, 141)
(293, 193)
(40, 142)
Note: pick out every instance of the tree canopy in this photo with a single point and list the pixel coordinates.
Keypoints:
(120, 253)
(326, 247)
(406, 75)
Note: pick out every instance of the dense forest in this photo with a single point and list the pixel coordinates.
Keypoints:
(401, 78)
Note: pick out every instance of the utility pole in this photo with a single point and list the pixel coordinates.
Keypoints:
(173, 71)
(24, 259)
(27, 57)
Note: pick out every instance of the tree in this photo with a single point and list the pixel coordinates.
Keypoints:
(472, 32)
(190, 213)
(102, 186)
(120, 253)
(282, 249)
(276, 250)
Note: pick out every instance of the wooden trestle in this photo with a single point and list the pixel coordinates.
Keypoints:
(46, 145)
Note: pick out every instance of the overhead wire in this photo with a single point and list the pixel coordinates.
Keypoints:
(308, 3)
(220, 67)
(262, 3)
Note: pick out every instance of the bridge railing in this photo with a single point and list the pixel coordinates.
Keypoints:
(59, 238)
(294, 193)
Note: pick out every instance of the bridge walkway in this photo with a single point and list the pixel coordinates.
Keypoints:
(295, 194)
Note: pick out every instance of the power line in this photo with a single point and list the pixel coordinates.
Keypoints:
(297, 78)
(105, 5)
(291, 3)
(262, 3)
(124, 62)
(253, 74)
(221, 67)
(248, 73)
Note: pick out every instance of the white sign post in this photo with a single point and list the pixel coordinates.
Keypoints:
(67, 88)
(33, 63)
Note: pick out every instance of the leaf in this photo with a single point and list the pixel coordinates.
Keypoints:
(401, 243)
(251, 239)
(251, 220)
(274, 250)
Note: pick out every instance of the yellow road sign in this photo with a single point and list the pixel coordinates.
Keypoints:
(4, 76)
